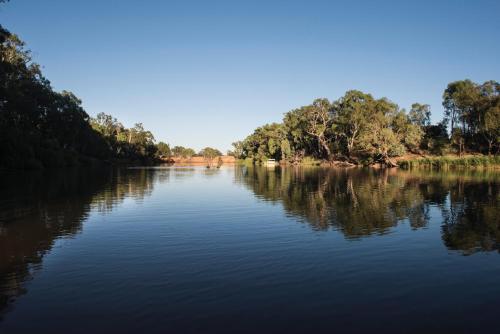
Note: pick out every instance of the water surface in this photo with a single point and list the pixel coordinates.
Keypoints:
(291, 250)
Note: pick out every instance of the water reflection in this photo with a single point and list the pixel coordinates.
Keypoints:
(361, 202)
(471, 221)
(38, 208)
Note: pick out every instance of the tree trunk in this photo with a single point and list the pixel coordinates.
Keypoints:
(350, 145)
(324, 144)
(387, 161)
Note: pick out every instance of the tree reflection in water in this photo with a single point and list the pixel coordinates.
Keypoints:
(38, 208)
(361, 202)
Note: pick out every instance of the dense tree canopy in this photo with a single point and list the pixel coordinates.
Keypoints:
(209, 153)
(180, 151)
(472, 111)
(163, 150)
(356, 126)
(40, 127)
(360, 128)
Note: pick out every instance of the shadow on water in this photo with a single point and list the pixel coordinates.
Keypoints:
(37, 208)
(361, 202)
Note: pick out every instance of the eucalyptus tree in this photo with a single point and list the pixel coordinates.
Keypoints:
(352, 114)
(491, 127)
(210, 153)
(474, 108)
(318, 118)
(39, 127)
(181, 151)
(106, 124)
(298, 141)
(408, 132)
(163, 149)
(369, 129)
(238, 150)
(378, 138)
(458, 101)
(489, 123)
(267, 141)
(420, 114)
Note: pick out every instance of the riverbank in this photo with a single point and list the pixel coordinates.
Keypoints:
(404, 162)
(223, 159)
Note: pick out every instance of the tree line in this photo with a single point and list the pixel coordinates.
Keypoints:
(42, 128)
(362, 129)
(186, 152)
(125, 142)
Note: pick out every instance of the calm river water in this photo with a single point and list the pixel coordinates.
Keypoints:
(249, 250)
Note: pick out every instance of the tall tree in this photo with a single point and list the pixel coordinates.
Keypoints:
(472, 107)
(378, 137)
(210, 153)
(489, 122)
(319, 120)
(163, 149)
(420, 114)
(460, 101)
(351, 116)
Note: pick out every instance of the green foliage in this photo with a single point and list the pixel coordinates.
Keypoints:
(310, 161)
(420, 114)
(134, 144)
(237, 150)
(40, 127)
(180, 151)
(490, 125)
(163, 150)
(356, 125)
(435, 139)
(472, 110)
(360, 128)
(318, 120)
(352, 116)
(451, 162)
(265, 143)
(408, 132)
(209, 153)
(378, 137)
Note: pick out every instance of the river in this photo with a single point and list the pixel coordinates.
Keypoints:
(249, 250)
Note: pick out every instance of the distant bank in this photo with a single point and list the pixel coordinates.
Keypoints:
(408, 161)
(224, 159)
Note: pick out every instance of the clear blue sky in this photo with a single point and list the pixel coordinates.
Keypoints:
(206, 73)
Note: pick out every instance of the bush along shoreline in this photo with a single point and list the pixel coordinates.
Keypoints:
(359, 129)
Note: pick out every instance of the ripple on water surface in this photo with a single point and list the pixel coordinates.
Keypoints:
(239, 249)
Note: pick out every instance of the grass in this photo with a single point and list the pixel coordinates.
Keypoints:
(309, 161)
(444, 162)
